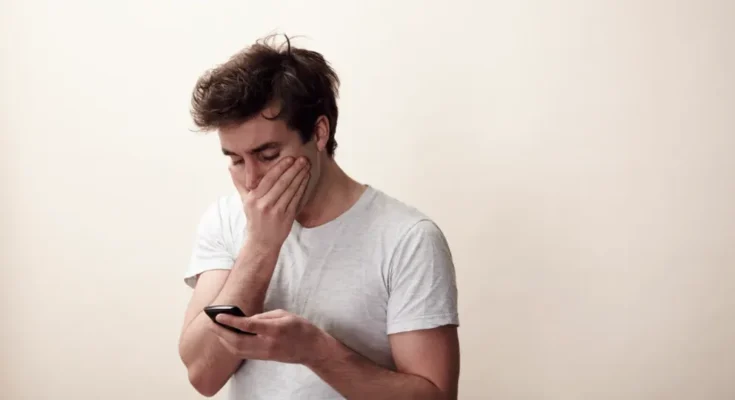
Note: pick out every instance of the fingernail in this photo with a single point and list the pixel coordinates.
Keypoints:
(219, 317)
(302, 161)
(289, 160)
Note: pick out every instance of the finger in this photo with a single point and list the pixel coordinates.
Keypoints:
(259, 326)
(231, 320)
(272, 176)
(291, 190)
(283, 182)
(234, 339)
(270, 314)
(298, 197)
(242, 346)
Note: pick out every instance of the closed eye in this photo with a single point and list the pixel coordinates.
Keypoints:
(269, 157)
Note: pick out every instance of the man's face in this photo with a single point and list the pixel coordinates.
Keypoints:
(258, 144)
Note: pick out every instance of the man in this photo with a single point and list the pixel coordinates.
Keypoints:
(349, 292)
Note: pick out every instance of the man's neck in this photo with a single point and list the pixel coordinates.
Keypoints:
(334, 194)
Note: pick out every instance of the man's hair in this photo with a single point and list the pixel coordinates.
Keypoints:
(300, 83)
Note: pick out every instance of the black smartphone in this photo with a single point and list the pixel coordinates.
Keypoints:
(213, 311)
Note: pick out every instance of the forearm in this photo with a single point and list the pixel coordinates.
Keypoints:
(356, 377)
(208, 362)
(248, 282)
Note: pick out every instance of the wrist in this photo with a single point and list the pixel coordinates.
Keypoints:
(256, 262)
(260, 250)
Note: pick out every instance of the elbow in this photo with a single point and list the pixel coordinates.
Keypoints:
(200, 374)
(203, 382)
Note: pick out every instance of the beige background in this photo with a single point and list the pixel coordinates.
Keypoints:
(578, 155)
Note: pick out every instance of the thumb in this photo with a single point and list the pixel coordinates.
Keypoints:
(260, 326)
(230, 320)
(245, 323)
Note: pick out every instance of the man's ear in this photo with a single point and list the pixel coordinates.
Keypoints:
(321, 132)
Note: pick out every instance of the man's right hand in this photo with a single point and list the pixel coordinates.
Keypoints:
(271, 207)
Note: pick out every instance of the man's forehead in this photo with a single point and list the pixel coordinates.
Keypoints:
(250, 150)
(247, 137)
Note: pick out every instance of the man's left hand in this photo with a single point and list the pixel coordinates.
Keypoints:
(279, 336)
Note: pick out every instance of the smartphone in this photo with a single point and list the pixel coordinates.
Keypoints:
(213, 311)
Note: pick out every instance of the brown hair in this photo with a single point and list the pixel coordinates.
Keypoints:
(301, 82)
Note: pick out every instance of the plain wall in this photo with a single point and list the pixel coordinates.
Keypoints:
(577, 154)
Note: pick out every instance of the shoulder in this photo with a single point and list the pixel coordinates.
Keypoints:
(221, 214)
(391, 208)
(402, 221)
(222, 207)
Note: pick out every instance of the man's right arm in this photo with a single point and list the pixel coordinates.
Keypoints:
(208, 363)
(270, 209)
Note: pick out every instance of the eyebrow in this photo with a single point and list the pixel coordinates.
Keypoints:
(261, 148)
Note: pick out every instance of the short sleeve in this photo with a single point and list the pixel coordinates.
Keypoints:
(211, 249)
(422, 281)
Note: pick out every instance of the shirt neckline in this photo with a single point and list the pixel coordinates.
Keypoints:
(360, 204)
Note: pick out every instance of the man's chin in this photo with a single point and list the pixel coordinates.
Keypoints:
(304, 206)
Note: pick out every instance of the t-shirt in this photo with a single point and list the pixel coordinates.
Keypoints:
(382, 267)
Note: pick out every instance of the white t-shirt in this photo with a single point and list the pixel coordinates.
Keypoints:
(380, 268)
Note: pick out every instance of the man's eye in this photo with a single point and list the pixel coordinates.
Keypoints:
(237, 162)
(269, 157)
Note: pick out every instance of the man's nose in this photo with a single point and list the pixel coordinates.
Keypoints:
(252, 177)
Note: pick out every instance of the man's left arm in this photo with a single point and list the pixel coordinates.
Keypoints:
(421, 325)
(427, 363)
